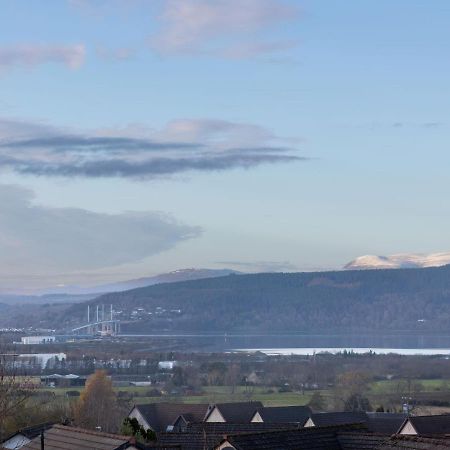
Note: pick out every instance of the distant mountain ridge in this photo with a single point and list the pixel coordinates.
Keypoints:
(169, 277)
(399, 261)
(413, 300)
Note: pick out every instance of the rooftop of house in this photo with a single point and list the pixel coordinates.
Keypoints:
(284, 414)
(407, 442)
(61, 437)
(338, 418)
(313, 438)
(385, 423)
(160, 415)
(32, 431)
(238, 412)
(430, 425)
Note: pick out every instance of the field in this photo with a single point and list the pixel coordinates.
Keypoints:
(379, 393)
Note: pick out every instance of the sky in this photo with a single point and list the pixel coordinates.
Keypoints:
(144, 136)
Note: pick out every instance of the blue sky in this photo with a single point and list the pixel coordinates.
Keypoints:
(140, 136)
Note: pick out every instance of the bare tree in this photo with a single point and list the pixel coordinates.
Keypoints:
(15, 388)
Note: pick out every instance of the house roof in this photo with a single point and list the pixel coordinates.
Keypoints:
(226, 428)
(61, 437)
(188, 441)
(353, 440)
(285, 414)
(338, 418)
(198, 436)
(160, 415)
(313, 438)
(408, 442)
(385, 423)
(33, 431)
(238, 412)
(428, 425)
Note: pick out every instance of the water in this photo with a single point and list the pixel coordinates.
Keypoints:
(304, 344)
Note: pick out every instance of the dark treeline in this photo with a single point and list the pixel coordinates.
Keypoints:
(409, 299)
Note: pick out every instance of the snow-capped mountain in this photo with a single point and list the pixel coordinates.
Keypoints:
(399, 261)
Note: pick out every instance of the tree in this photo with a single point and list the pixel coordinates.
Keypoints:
(14, 390)
(131, 427)
(97, 406)
(357, 402)
(317, 402)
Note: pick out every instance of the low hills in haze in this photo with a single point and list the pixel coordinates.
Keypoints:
(343, 301)
(169, 277)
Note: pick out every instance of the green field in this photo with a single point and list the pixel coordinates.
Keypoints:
(377, 393)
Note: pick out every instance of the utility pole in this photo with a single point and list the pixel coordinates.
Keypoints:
(42, 440)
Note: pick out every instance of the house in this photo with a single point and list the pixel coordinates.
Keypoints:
(207, 435)
(335, 418)
(317, 438)
(167, 365)
(282, 414)
(160, 416)
(25, 435)
(384, 422)
(239, 412)
(425, 425)
(61, 437)
(406, 442)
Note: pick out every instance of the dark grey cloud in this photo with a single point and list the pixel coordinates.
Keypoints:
(183, 146)
(40, 239)
(154, 167)
(71, 143)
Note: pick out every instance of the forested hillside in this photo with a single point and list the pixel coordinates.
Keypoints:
(391, 300)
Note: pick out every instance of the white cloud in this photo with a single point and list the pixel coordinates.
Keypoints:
(30, 55)
(35, 239)
(227, 28)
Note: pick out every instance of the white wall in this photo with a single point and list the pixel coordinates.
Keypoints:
(408, 429)
(215, 416)
(135, 414)
(257, 418)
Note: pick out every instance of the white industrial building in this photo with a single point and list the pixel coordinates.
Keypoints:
(33, 340)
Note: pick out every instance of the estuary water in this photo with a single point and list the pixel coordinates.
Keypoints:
(305, 344)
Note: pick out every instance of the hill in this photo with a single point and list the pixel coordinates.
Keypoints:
(372, 300)
(93, 291)
(399, 261)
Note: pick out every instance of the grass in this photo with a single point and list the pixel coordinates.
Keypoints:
(269, 396)
(211, 394)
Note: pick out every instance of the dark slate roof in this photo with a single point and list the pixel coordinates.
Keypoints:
(33, 431)
(285, 414)
(407, 442)
(222, 428)
(313, 438)
(238, 412)
(196, 436)
(351, 440)
(156, 446)
(189, 441)
(338, 418)
(385, 423)
(426, 425)
(160, 415)
(61, 437)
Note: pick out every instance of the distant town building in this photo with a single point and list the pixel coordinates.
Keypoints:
(35, 340)
(57, 380)
(167, 365)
